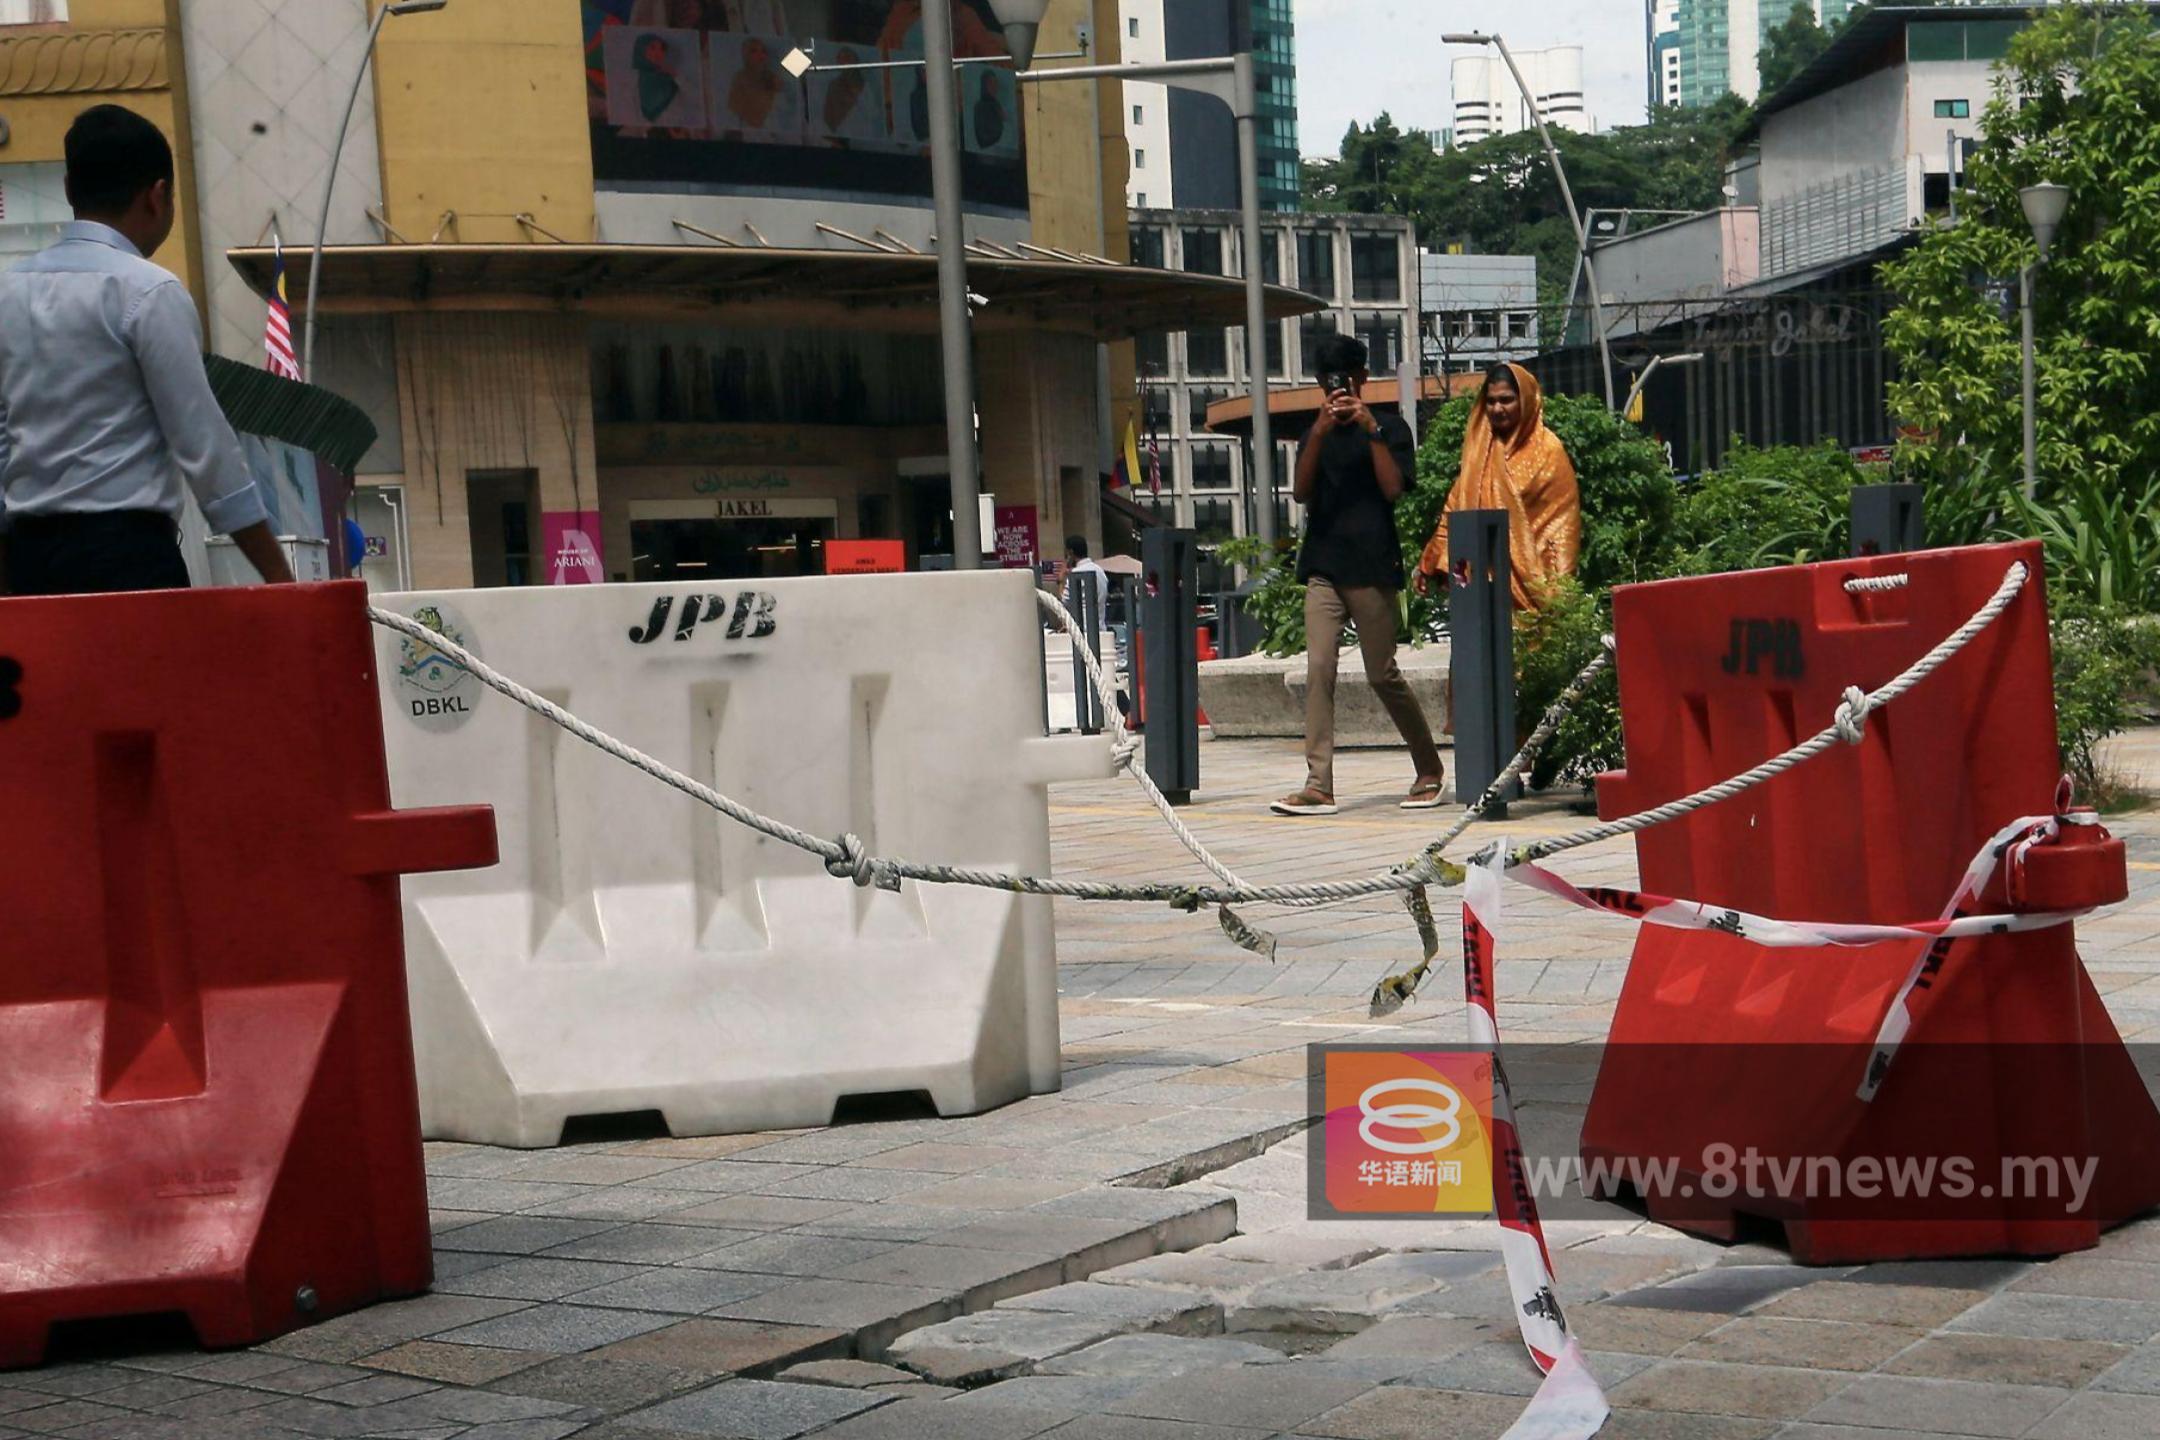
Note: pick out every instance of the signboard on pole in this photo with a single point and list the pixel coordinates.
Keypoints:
(1016, 544)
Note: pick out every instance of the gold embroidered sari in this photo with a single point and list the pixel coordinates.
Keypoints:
(1529, 476)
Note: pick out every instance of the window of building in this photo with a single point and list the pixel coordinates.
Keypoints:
(1203, 252)
(1211, 468)
(1141, 199)
(1953, 109)
(1270, 257)
(1375, 268)
(1485, 324)
(1316, 262)
(1139, 158)
(1214, 520)
(1312, 329)
(33, 12)
(1132, 26)
(1382, 335)
(1147, 245)
(1518, 325)
(1207, 353)
(1152, 352)
(1198, 398)
(1138, 116)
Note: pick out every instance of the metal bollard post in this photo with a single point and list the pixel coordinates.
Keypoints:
(1888, 519)
(1481, 659)
(1170, 583)
(1083, 597)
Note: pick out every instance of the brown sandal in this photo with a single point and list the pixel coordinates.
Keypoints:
(1307, 801)
(1430, 793)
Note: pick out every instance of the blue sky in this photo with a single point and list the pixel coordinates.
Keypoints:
(1359, 57)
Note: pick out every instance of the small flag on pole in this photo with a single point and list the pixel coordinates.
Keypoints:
(277, 329)
(1127, 474)
(1154, 461)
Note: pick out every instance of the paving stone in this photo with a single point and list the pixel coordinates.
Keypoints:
(74, 1380)
(1914, 1306)
(593, 1383)
(1074, 1394)
(348, 1337)
(1723, 1289)
(941, 1157)
(1225, 1281)
(2014, 1360)
(2063, 1317)
(1157, 1357)
(525, 1430)
(759, 1409)
(1249, 1395)
(681, 1291)
(474, 1407)
(375, 1390)
(1497, 1367)
(893, 1222)
(912, 1419)
(1349, 1300)
(2101, 1277)
(992, 1193)
(854, 1374)
(756, 1212)
(792, 1253)
(740, 1347)
(559, 1329)
(538, 1278)
(240, 1366)
(1399, 1412)
(306, 1378)
(1420, 1338)
(520, 1234)
(1808, 1344)
(1129, 1427)
(452, 1364)
(1136, 1310)
(838, 1182)
(731, 1177)
(583, 1165)
(620, 1203)
(983, 1277)
(1943, 1274)
(874, 1314)
(1954, 1407)
(995, 1344)
(1763, 1391)
(2138, 1370)
(1672, 1425)
(2102, 1416)
(646, 1243)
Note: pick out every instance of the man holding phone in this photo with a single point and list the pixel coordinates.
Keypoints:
(1353, 466)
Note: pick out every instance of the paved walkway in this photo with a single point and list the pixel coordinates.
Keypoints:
(1130, 1256)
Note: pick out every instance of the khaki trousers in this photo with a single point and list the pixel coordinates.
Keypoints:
(1372, 609)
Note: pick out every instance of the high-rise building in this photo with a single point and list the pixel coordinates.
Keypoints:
(1720, 43)
(1661, 31)
(1488, 102)
(1184, 144)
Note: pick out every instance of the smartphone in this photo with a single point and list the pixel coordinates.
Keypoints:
(1333, 384)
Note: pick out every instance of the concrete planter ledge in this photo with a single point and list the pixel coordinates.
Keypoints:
(1262, 697)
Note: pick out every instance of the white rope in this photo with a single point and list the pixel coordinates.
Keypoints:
(1848, 726)
(847, 858)
(1863, 584)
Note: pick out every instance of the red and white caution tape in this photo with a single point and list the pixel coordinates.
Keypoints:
(1569, 1405)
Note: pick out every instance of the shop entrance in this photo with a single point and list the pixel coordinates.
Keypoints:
(733, 540)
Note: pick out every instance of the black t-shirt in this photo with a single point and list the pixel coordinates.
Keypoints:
(1350, 523)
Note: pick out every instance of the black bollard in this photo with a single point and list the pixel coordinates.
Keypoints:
(1888, 519)
(1084, 598)
(1170, 585)
(1481, 658)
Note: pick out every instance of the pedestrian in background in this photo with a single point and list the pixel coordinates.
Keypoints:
(105, 407)
(1353, 467)
(1512, 461)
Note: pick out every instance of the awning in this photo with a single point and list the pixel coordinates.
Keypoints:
(1293, 411)
(836, 289)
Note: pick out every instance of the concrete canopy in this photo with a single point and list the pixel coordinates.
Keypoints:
(886, 290)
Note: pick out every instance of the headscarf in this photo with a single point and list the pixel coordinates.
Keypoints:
(1528, 475)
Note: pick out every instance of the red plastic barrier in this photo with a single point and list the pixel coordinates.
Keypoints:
(1717, 675)
(206, 1077)
(1203, 640)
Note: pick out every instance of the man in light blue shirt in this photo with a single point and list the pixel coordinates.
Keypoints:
(105, 408)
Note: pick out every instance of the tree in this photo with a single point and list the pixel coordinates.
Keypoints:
(1791, 47)
(2074, 105)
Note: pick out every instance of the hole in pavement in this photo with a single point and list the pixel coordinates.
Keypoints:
(621, 1125)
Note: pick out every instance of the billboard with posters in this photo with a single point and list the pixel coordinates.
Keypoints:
(690, 96)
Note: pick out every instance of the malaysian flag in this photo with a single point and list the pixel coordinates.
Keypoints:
(277, 330)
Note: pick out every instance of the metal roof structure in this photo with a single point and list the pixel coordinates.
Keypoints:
(766, 285)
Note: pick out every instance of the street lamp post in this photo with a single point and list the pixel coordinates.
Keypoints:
(957, 334)
(322, 224)
(2044, 206)
(1233, 80)
(1657, 362)
(1567, 195)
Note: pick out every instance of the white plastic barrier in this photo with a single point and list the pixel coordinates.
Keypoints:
(634, 950)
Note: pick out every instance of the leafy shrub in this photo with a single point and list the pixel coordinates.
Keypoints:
(2105, 657)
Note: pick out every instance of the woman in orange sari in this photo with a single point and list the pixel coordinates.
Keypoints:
(1512, 462)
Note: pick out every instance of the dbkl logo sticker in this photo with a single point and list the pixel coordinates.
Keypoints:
(434, 690)
(751, 618)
